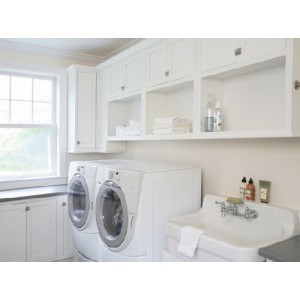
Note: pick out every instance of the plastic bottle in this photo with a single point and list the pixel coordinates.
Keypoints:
(250, 190)
(209, 114)
(218, 118)
(243, 188)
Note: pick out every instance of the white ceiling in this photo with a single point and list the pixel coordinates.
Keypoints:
(94, 47)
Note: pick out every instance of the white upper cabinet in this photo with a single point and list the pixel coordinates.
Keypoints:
(251, 48)
(125, 77)
(81, 108)
(216, 53)
(170, 60)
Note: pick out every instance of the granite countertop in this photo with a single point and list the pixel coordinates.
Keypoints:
(284, 251)
(35, 192)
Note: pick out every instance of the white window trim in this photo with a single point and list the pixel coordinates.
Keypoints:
(61, 120)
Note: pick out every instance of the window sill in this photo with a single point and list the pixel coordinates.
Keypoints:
(32, 182)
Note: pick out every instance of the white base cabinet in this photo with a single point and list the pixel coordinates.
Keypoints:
(35, 230)
(13, 232)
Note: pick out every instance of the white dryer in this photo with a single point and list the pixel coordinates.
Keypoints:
(134, 198)
(81, 191)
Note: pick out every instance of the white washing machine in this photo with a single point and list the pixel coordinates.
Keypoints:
(133, 199)
(81, 204)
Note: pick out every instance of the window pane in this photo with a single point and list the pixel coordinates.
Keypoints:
(4, 87)
(21, 112)
(25, 152)
(42, 113)
(4, 111)
(21, 88)
(42, 90)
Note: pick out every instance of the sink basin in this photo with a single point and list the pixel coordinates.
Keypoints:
(231, 238)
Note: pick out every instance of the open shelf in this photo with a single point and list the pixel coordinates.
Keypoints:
(169, 103)
(120, 112)
(252, 101)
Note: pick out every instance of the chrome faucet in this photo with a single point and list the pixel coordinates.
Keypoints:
(232, 209)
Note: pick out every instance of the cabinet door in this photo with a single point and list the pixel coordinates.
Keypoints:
(133, 74)
(65, 247)
(217, 53)
(86, 106)
(41, 230)
(181, 58)
(256, 47)
(156, 64)
(13, 232)
(116, 81)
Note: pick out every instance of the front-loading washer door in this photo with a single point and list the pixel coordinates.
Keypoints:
(78, 200)
(111, 214)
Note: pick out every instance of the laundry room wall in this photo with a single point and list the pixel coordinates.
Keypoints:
(225, 162)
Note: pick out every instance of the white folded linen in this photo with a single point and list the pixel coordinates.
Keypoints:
(171, 131)
(126, 130)
(189, 240)
(159, 120)
(172, 120)
(128, 133)
(183, 125)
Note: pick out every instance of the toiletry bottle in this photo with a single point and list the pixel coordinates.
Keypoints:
(209, 114)
(243, 188)
(250, 190)
(218, 118)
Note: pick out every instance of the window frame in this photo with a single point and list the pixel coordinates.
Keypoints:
(59, 124)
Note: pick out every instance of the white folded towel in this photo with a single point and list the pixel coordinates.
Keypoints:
(172, 120)
(126, 130)
(170, 131)
(183, 125)
(189, 240)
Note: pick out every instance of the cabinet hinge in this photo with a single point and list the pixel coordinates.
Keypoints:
(27, 208)
(238, 51)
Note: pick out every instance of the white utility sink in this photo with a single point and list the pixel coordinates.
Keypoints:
(231, 237)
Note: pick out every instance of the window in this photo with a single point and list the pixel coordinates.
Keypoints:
(28, 130)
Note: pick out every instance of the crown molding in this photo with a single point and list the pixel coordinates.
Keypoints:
(32, 49)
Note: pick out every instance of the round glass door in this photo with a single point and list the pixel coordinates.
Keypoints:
(111, 214)
(78, 200)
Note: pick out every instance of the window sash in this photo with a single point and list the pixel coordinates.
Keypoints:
(52, 125)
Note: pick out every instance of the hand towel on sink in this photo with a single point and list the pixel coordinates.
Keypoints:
(189, 240)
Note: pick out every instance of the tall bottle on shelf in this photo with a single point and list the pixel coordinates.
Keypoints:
(218, 118)
(209, 114)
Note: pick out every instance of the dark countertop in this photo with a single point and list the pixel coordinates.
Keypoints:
(285, 251)
(36, 192)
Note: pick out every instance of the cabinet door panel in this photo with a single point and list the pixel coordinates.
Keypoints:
(156, 64)
(181, 58)
(133, 74)
(41, 230)
(13, 232)
(256, 47)
(217, 53)
(116, 81)
(86, 104)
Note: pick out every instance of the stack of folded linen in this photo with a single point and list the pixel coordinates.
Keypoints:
(171, 125)
(133, 128)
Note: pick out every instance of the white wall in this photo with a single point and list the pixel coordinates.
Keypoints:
(225, 162)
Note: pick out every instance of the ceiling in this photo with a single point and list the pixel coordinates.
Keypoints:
(100, 48)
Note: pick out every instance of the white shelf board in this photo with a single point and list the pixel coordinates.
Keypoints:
(206, 135)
